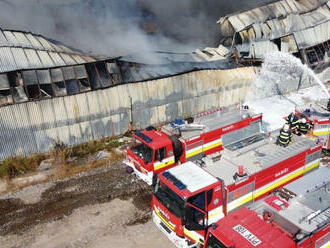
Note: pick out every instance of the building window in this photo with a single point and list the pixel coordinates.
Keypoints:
(16, 84)
(5, 91)
(93, 76)
(114, 73)
(103, 74)
(58, 82)
(71, 82)
(82, 78)
(31, 84)
(45, 83)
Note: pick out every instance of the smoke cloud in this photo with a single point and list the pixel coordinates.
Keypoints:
(120, 27)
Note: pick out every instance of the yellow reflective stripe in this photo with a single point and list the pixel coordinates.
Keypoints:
(258, 193)
(191, 154)
(312, 166)
(165, 221)
(205, 148)
(321, 132)
(213, 146)
(285, 180)
(162, 165)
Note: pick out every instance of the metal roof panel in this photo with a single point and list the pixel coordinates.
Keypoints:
(12, 41)
(45, 43)
(67, 59)
(57, 59)
(313, 36)
(34, 41)
(3, 40)
(20, 58)
(78, 59)
(45, 59)
(7, 60)
(22, 40)
(33, 58)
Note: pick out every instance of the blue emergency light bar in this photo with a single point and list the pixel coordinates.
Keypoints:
(143, 136)
(177, 183)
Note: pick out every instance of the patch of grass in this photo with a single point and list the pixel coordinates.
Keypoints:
(15, 166)
(92, 147)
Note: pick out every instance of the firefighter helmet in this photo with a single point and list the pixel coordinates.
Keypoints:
(303, 120)
(286, 127)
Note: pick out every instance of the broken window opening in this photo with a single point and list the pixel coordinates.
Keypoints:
(46, 90)
(59, 89)
(33, 92)
(45, 86)
(238, 39)
(16, 84)
(92, 73)
(5, 97)
(84, 85)
(103, 74)
(58, 82)
(114, 73)
(82, 78)
(312, 58)
(30, 81)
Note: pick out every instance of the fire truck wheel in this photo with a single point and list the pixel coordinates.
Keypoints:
(268, 217)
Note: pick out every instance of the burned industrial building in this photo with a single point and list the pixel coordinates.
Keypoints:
(52, 93)
(300, 27)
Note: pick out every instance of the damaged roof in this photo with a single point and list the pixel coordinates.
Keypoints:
(155, 65)
(23, 50)
(306, 20)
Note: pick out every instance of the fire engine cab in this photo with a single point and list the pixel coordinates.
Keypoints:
(154, 151)
(189, 198)
(298, 216)
(318, 113)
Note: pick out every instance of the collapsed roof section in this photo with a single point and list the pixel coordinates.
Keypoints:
(33, 67)
(287, 25)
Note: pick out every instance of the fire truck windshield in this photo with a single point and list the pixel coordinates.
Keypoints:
(173, 202)
(142, 150)
(213, 242)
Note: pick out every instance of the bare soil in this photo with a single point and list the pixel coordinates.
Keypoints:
(101, 208)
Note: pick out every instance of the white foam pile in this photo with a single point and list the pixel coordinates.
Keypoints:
(266, 94)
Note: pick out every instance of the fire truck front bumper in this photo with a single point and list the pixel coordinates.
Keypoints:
(170, 234)
(145, 176)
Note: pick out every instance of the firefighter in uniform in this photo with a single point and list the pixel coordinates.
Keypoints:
(293, 122)
(303, 127)
(285, 136)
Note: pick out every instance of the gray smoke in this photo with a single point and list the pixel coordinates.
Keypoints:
(120, 27)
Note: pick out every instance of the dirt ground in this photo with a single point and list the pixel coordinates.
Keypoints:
(101, 208)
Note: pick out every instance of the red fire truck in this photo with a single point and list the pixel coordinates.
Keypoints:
(318, 113)
(154, 151)
(298, 216)
(189, 198)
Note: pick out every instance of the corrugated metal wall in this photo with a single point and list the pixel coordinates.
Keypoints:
(35, 126)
